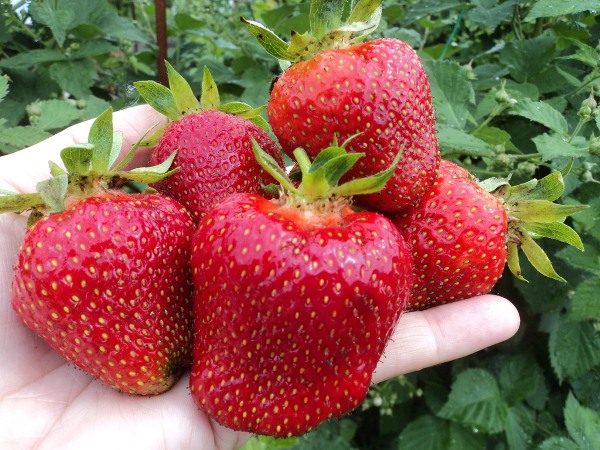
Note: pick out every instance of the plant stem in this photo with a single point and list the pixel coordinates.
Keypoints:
(453, 35)
(160, 11)
(578, 128)
(498, 109)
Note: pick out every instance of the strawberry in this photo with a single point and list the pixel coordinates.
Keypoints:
(461, 235)
(378, 90)
(213, 143)
(103, 276)
(295, 299)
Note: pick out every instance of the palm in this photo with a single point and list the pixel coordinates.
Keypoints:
(47, 403)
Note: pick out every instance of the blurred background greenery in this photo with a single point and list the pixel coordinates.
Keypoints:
(513, 83)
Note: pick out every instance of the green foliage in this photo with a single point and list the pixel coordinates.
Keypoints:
(511, 81)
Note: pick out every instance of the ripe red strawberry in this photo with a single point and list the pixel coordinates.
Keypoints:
(378, 89)
(105, 281)
(213, 143)
(295, 300)
(460, 234)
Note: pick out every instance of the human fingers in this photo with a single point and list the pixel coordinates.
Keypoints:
(22, 170)
(426, 338)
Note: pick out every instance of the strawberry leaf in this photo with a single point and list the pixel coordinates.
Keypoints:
(53, 192)
(159, 97)
(210, 92)
(368, 185)
(55, 169)
(268, 163)
(77, 158)
(272, 43)
(151, 174)
(512, 260)
(115, 150)
(543, 211)
(559, 231)
(11, 202)
(326, 16)
(185, 100)
(101, 137)
(538, 258)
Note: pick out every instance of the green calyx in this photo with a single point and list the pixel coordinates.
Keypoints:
(87, 169)
(178, 100)
(532, 214)
(320, 177)
(333, 24)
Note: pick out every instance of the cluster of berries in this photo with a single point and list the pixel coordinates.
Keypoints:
(281, 304)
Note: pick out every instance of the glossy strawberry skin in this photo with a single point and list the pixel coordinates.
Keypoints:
(107, 284)
(292, 317)
(378, 89)
(457, 237)
(214, 157)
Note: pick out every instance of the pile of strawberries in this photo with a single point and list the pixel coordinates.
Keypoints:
(281, 299)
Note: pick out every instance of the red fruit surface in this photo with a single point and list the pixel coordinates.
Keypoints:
(377, 88)
(214, 157)
(458, 239)
(293, 310)
(107, 284)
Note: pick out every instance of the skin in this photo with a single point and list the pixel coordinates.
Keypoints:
(46, 403)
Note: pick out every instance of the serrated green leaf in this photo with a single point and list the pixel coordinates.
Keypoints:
(543, 113)
(3, 86)
(424, 8)
(574, 348)
(21, 137)
(77, 158)
(490, 14)
(558, 443)
(53, 192)
(463, 438)
(452, 92)
(31, 58)
(585, 303)
(556, 8)
(425, 433)
(495, 136)
(527, 58)
(185, 100)
(520, 377)
(588, 260)
(553, 146)
(558, 231)
(58, 19)
(74, 77)
(583, 424)
(101, 137)
(272, 43)
(210, 92)
(55, 114)
(159, 97)
(475, 401)
(457, 142)
(326, 15)
(520, 426)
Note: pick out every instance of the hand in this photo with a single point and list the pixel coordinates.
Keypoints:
(47, 403)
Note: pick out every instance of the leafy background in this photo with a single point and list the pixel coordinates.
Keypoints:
(511, 80)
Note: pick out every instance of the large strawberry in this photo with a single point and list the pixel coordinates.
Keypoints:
(213, 142)
(338, 87)
(461, 235)
(103, 276)
(295, 299)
